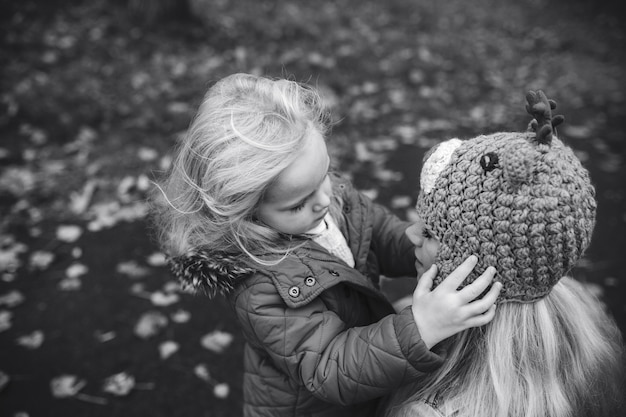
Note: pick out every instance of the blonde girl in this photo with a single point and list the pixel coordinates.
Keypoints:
(251, 210)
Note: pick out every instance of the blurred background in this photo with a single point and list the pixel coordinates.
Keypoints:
(93, 95)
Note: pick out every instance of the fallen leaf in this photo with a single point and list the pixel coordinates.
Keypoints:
(202, 372)
(221, 390)
(429, 125)
(17, 181)
(8, 277)
(104, 214)
(109, 214)
(124, 188)
(147, 154)
(40, 260)
(168, 348)
(165, 162)
(11, 299)
(397, 96)
(79, 201)
(150, 324)
(120, 384)
(181, 316)
(139, 289)
(386, 175)
(132, 269)
(9, 254)
(32, 340)
(157, 259)
(217, 341)
(401, 201)
(76, 270)
(577, 131)
(362, 152)
(86, 135)
(372, 193)
(5, 320)
(143, 182)
(104, 336)
(161, 299)
(66, 386)
(407, 134)
(383, 145)
(70, 284)
(178, 107)
(69, 233)
(4, 380)
(172, 286)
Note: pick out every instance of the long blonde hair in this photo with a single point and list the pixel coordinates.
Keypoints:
(246, 131)
(560, 356)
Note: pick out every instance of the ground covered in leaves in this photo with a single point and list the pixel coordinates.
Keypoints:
(94, 94)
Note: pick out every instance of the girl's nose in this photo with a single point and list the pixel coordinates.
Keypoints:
(323, 196)
(322, 201)
(414, 235)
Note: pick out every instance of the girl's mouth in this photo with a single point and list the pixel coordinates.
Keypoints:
(322, 216)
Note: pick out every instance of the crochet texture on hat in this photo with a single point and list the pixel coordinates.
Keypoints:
(525, 207)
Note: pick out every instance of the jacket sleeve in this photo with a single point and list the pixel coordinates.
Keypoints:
(315, 349)
(389, 242)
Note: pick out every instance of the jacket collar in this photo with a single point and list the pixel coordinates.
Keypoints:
(209, 272)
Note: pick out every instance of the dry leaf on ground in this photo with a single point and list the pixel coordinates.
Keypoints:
(217, 341)
(150, 323)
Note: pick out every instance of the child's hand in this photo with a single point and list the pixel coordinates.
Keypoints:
(445, 311)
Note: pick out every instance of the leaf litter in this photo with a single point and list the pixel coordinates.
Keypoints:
(98, 201)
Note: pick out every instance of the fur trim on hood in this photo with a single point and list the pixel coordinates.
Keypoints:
(209, 272)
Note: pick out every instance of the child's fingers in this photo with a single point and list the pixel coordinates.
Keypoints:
(452, 281)
(482, 319)
(425, 283)
(482, 305)
(473, 290)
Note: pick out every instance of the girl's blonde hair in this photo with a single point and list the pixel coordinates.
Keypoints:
(246, 131)
(560, 356)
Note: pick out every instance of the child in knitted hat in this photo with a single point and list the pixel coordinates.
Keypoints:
(521, 202)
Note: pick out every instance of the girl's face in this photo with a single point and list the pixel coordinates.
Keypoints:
(426, 245)
(299, 198)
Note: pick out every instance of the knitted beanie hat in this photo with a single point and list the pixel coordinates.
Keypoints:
(521, 202)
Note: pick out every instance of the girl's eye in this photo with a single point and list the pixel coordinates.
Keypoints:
(298, 207)
(426, 233)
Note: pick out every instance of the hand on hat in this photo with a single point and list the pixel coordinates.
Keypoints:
(445, 311)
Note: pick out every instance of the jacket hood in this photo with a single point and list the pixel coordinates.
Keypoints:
(209, 272)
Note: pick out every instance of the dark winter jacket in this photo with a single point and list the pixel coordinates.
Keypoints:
(322, 340)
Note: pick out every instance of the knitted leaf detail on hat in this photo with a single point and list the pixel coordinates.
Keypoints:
(544, 124)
